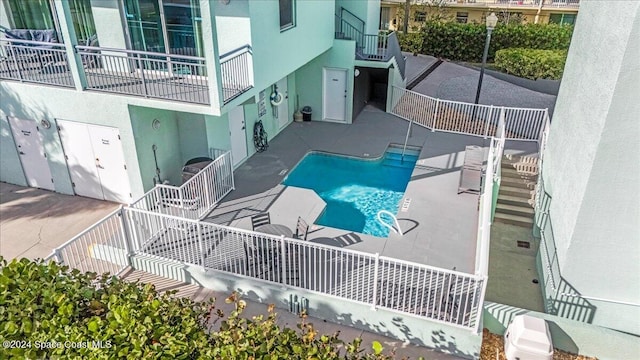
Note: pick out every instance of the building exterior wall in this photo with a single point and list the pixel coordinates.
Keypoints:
(475, 13)
(591, 169)
(278, 53)
(309, 77)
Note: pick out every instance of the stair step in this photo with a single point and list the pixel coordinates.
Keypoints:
(513, 200)
(518, 182)
(514, 191)
(511, 171)
(524, 221)
(515, 209)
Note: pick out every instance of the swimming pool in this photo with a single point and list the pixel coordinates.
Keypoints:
(354, 189)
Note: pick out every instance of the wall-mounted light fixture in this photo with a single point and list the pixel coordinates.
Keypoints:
(45, 124)
(356, 73)
(155, 124)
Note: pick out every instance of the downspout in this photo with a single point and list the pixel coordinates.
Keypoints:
(537, 18)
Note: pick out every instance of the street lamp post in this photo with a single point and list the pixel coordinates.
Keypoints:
(492, 20)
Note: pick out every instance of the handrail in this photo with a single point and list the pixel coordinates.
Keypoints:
(138, 52)
(237, 50)
(18, 42)
(342, 10)
(379, 217)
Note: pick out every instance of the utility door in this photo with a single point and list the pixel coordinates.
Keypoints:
(283, 108)
(95, 160)
(81, 161)
(109, 160)
(30, 147)
(237, 132)
(334, 104)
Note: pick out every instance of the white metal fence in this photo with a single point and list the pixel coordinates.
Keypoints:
(197, 196)
(450, 297)
(467, 118)
(101, 248)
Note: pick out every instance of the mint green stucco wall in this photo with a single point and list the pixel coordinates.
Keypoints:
(567, 335)
(277, 54)
(367, 10)
(309, 77)
(233, 26)
(106, 14)
(592, 164)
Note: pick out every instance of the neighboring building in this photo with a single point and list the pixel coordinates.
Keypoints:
(589, 212)
(160, 82)
(468, 11)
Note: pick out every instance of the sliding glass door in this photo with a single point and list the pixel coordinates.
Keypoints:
(165, 26)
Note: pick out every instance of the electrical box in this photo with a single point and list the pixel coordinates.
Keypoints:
(528, 338)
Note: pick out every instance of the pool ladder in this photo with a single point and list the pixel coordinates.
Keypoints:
(397, 229)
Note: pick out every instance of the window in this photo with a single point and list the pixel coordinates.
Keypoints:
(562, 19)
(34, 15)
(420, 16)
(287, 14)
(462, 17)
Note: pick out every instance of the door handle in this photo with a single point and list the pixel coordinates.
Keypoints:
(21, 153)
(98, 164)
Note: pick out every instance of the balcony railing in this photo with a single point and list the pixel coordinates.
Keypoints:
(236, 70)
(34, 61)
(148, 74)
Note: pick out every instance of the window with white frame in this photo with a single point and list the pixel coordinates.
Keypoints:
(287, 14)
(462, 17)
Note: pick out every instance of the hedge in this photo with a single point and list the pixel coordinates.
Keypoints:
(50, 311)
(465, 42)
(530, 63)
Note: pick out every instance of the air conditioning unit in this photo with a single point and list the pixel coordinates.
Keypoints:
(528, 338)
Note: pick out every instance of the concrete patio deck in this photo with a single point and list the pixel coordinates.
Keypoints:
(440, 225)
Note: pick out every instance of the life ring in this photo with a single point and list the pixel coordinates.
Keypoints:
(276, 98)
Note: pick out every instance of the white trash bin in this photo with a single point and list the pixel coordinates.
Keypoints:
(528, 338)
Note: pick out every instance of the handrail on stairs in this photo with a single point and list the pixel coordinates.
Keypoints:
(397, 229)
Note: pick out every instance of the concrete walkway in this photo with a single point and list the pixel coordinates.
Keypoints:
(33, 222)
(450, 81)
(288, 319)
(417, 64)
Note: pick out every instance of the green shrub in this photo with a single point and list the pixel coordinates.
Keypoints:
(530, 63)
(465, 42)
(411, 42)
(69, 314)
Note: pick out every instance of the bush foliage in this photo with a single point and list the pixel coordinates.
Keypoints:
(465, 42)
(531, 64)
(49, 311)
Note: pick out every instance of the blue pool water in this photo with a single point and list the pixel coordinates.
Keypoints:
(355, 190)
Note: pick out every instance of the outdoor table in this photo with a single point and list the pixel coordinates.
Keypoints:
(275, 229)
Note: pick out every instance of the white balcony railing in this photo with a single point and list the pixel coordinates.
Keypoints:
(148, 74)
(34, 61)
(518, 3)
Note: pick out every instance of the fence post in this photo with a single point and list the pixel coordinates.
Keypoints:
(435, 116)
(486, 124)
(480, 306)
(502, 122)
(125, 236)
(283, 259)
(201, 247)
(376, 265)
(233, 183)
(144, 80)
(58, 256)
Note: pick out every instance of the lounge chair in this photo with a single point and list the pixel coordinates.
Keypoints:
(471, 173)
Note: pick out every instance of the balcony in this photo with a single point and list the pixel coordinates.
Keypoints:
(377, 47)
(34, 62)
(129, 72)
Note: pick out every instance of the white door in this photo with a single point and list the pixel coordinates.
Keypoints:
(95, 160)
(32, 155)
(237, 132)
(81, 161)
(283, 108)
(109, 160)
(334, 104)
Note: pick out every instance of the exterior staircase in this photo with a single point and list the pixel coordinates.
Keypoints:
(517, 190)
